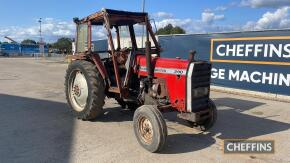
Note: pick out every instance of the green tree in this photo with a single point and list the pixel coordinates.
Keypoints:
(170, 29)
(63, 44)
(28, 41)
(50, 45)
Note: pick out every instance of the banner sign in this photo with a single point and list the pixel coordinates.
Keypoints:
(258, 61)
(252, 50)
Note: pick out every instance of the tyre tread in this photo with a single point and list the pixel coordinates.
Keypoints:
(97, 90)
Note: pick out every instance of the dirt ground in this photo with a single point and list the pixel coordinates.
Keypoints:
(36, 126)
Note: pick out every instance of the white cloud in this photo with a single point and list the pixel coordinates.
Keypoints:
(163, 15)
(207, 23)
(174, 22)
(271, 20)
(265, 3)
(51, 30)
(98, 32)
(221, 8)
(209, 17)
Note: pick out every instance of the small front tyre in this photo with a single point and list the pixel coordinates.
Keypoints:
(150, 128)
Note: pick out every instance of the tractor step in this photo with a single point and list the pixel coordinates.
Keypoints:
(114, 90)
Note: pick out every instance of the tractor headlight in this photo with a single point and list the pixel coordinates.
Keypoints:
(200, 92)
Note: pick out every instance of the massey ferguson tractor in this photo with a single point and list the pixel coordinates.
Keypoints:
(138, 78)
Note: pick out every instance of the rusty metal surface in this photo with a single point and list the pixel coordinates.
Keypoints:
(114, 90)
(149, 29)
(89, 36)
(113, 18)
(78, 56)
(96, 16)
(116, 17)
(160, 87)
(97, 60)
(113, 53)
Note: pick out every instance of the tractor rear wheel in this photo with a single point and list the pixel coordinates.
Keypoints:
(85, 90)
(150, 128)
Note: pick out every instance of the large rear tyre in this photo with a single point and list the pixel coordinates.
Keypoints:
(150, 128)
(85, 90)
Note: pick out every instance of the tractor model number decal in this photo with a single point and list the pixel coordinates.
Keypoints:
(166, 70)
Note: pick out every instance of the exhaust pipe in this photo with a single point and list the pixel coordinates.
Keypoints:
(148, 60)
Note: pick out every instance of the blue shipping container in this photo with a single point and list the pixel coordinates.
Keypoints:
(20, 49)
(10, 49)
(32, 49)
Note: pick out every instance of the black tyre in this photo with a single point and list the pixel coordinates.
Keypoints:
(208, 123)
(85, 90)
(127, 105)
(121, 103)
(150, 128)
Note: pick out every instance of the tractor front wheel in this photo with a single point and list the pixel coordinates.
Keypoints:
(150, 128)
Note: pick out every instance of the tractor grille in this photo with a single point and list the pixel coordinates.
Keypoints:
(200, 86)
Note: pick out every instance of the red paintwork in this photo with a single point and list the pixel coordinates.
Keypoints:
(176, 87)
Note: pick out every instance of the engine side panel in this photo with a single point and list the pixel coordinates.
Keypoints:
(174, 73)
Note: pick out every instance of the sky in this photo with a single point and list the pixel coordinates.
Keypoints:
(19, 18)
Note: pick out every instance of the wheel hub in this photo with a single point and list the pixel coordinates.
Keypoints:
(146, 130)
(79, 91)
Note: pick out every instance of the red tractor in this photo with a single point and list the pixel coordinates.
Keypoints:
(138, 78)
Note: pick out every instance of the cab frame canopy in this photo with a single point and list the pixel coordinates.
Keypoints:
(113, 19)
(116, 18)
